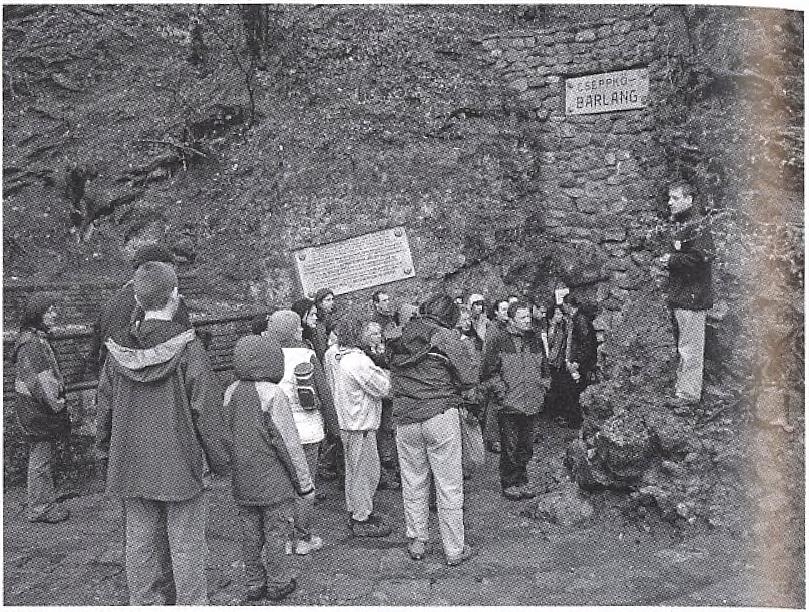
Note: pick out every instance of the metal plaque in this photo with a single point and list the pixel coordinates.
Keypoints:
(357, 263)
(607, 92)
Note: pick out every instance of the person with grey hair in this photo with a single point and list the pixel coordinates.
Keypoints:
(359, 386)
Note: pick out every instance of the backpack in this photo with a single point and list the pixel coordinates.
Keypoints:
(304, 386)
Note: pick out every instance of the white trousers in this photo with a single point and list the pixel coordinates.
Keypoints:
(433, 445)
(691, 349)
(362, 471)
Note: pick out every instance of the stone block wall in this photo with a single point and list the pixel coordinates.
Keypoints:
(600, 179)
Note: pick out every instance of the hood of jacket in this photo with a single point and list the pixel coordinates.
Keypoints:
(284, 326)
(151, 352)
(258, 358)
(416, 341)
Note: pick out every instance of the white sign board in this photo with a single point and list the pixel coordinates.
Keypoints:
(607, 92)
(357, 263)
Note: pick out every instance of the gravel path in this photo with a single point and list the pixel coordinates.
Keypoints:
(519, 560)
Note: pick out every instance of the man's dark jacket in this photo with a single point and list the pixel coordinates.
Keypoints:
(430, 368)
(690, 278)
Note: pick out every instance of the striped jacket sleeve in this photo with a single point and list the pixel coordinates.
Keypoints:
(290, 451)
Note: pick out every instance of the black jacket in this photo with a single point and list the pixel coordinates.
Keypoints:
(692, 252)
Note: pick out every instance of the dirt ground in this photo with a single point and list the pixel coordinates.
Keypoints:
(607, 560)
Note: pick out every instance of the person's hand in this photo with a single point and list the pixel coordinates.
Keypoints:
(664, 259)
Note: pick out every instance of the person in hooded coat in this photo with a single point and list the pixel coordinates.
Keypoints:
(268, 464)
(121, 311)
(159, 413)
(431, 371)
(40, 406)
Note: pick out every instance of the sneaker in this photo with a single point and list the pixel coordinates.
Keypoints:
(304, 547)
(514, 493)
(417, 549)
(466, 554)
(372, 527)
(277, 592)
(526, 492)
(55, 514)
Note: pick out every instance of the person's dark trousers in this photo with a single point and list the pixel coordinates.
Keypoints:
(562, 399)
(516, 447)
(331, 464)
(385, 438)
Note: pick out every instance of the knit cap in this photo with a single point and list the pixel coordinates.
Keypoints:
(153, 283)
(285, 327)
(258, 358)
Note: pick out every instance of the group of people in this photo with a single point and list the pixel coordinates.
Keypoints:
(314, 396)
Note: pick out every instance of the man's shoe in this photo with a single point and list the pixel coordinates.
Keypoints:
(55, 514)
(372, 527)
(466, 554)
(526, 492)
(513, 493)
(277, 592)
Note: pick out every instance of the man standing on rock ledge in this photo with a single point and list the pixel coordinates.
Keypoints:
(690, 293)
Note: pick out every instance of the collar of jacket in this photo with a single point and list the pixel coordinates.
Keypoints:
(138, 359)
(342, 351)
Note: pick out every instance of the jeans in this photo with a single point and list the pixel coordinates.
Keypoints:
(41, 493)
(434, 445)
(165, 551)
(516, 447)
